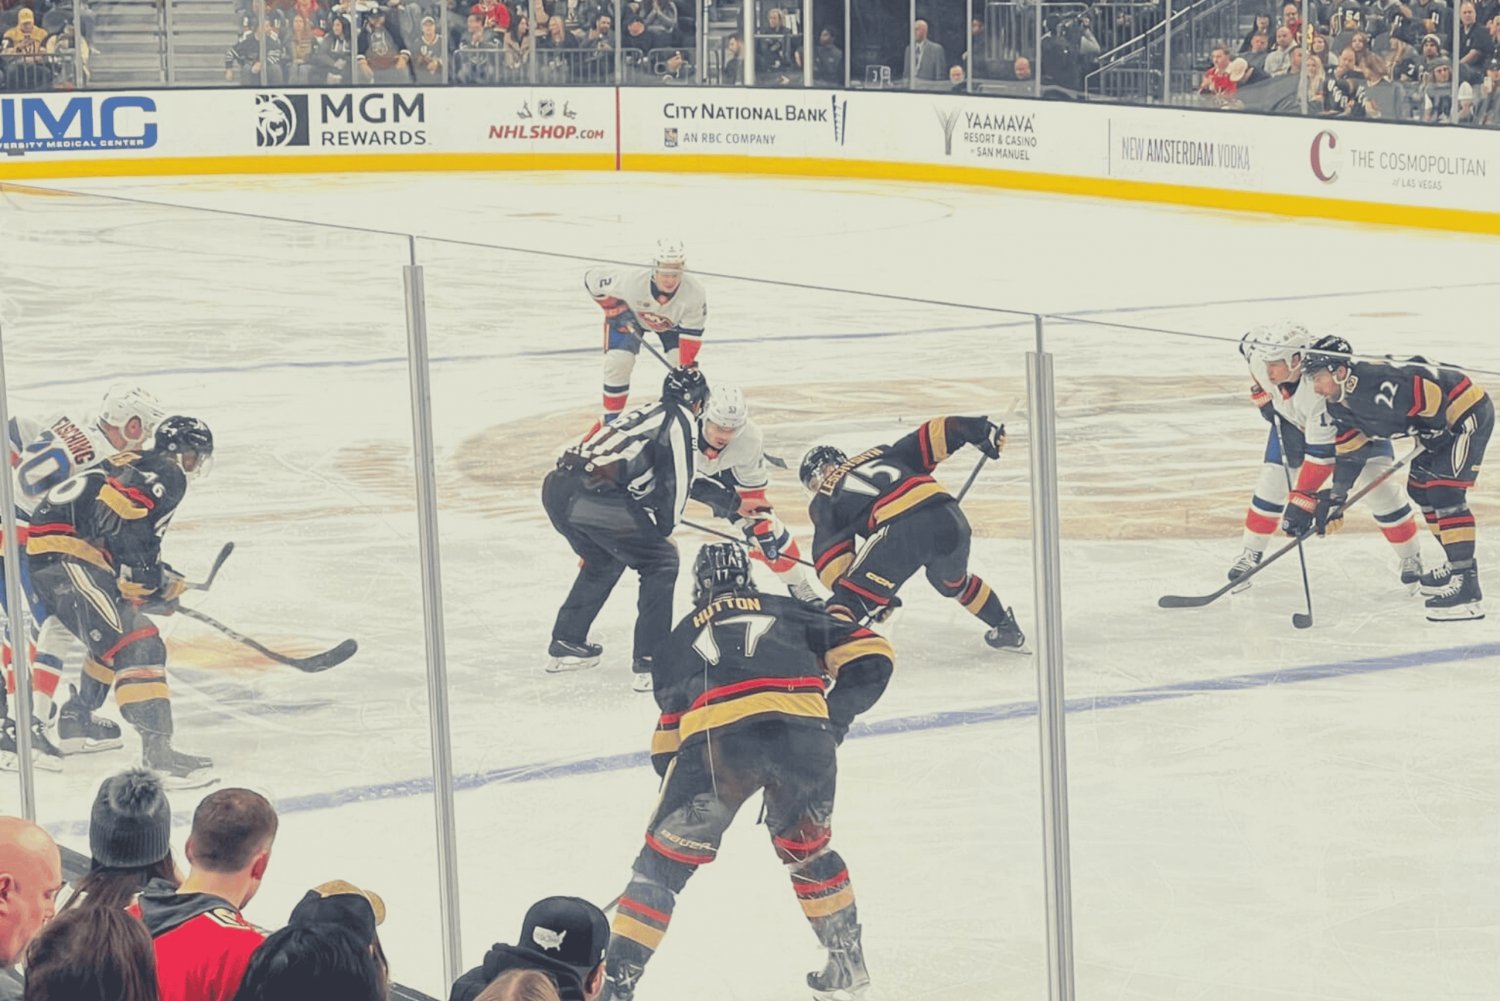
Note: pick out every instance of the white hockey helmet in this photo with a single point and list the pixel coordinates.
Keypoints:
(1275, 342)
(123, 402)
(670, 255)
(727, 407)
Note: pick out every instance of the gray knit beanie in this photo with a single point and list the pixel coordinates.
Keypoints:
(131, 824)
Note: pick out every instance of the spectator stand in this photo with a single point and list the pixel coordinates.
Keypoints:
(44, 48)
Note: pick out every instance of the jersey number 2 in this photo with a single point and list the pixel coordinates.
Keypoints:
(755, 627)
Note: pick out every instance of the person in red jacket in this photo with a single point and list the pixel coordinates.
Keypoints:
(203, 943)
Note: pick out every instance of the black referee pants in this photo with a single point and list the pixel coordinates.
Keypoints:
(610, 532)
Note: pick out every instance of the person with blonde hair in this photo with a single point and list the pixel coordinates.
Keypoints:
(521, 985)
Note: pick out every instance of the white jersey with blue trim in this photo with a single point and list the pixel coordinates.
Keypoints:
(1305, 410)
(45, 453)
(685, 310)
(744, 458)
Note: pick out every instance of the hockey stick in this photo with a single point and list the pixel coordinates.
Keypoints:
(1299, 620)
(213, 571)
(318, 662)
(1199, 600)
(740, 539)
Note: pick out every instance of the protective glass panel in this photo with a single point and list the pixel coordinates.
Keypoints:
(287, 340)
(1253, 767)
(937, 784)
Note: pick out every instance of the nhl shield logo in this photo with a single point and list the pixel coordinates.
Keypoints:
(280, 120)
(546, 107)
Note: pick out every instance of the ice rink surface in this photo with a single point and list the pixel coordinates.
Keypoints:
(1258, 813)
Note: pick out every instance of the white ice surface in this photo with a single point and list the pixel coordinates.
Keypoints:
(1281, 836)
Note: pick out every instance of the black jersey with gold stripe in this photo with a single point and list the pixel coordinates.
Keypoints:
(745, 656)
(1386, 400)
(881, 484)
(112, 515)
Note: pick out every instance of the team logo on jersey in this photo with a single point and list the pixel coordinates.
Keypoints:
(655, 321)
(281, 120)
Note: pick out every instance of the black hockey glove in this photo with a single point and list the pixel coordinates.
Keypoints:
(1301, 512)
(722, 500)
(1435, 439)
(766, 542)
(993, 442)
(1330, 516)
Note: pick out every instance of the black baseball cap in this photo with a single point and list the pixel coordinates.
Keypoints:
(567, 929)
(341, 903)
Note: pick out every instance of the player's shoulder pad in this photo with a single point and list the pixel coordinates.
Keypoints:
(602, 281)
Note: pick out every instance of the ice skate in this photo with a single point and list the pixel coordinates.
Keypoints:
(845, 977)
(1249, 560)
(1461, 599)
(44, 755)
(640, 680)
(803, 591)
(79, 731)
(178, 770)
(1007, 635)
(567, 656)
(1435, 581)
(1411, 573)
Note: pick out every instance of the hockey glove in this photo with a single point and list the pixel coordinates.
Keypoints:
(993, 442)
(1330, 516)
(172, 585)
(1435, 439)
(765, 542)
(1301, 513)
(139, 583)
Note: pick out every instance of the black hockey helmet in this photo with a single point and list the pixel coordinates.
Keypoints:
(686, 386)
(719, 567)
(815, 461)
(179, 436)
(1327, 354)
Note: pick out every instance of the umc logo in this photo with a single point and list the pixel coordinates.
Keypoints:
(1324, 156)
(281, 120)
(38, 124)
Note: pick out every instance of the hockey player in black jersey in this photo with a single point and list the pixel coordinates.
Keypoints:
(616, 497)
(1451, 416)
(742, 688)
(95, 551)
(879, 516)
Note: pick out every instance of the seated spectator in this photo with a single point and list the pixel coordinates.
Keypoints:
(62, 46)
(1262, 27)
(429, 59)
(477, 59)
(1404, 61)
(1432, 52)
(924, 59)
(1437, 97)
(30, 880)
(1431, 16)
(332, 62)
(1348, 15)
(325, 963)
(1487, 105)
(732, 73)
(405, 18)
(24, 52)
(300, 49)
(521, 985)
(314, 14)
(1291, 18)
(1259, 44)
(676, 68)
(1346, 65)
(1279, 59)
(1474, 45)
(347, 906)
(382, 56)
(635, 37)
(1216, 83)
(1368, 61)
(661, 22)
(91, 954)
(130, 841)
(1319, 46)
(1346, 97)
(956, 79)
(1311, 89)
(773, 51)
(496, 14)
(201, 940)
(562, 937)
(828, 60)
(516, 47)
(552, 52)
(1242, 74)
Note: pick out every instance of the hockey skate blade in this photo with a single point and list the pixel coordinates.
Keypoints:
(562, 665)
(641, 683)
(860, 993)
(82, 745)
(40, 762)
(1463, 613)
(201, 779)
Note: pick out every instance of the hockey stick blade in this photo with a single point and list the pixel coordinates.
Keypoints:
(1199, 600)
(213, 571)
(311, 665)
(1302, 620)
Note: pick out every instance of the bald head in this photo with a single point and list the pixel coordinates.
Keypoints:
(30, 878)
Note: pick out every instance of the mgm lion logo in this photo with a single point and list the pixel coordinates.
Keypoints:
(280, 120)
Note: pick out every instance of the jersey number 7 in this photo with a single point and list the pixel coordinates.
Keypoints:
(755, 627)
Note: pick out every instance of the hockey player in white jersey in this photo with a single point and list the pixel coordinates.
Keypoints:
(44, 454)
(732, 480)
(663, 300)
(1303, 435)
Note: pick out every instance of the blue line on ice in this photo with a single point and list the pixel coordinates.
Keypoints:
(403, 789)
